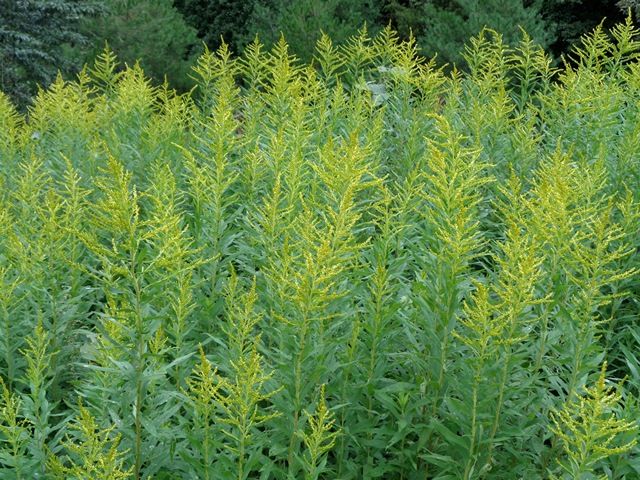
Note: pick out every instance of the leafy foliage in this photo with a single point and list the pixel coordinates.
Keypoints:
(589, 429)
(571, 19)
(303, 22)
(627, 4)
(218, 20)
(149, 31)
(369, 269)
(448, 24)
(33, 36)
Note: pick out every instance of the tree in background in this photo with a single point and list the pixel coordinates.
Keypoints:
(443, 27)
(218, 19)
(151, 31)
(634, 5)
(40, 37)
(403, 15)
(34, 39)
(302, 21)
(239, 21)
(569, 20)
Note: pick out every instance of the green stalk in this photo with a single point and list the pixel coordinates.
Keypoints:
(18, 461)
(496, 418)
(11, 369)
(343, 394)
(372, 363)
(241, 453)
(543, 341)
(578, 357)
(298, 387)
(444, 343)
(474, 415)
(575, 369)
(205, 452)
(139, 365)
(503, 383)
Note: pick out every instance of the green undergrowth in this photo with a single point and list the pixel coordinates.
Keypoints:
(361, 268)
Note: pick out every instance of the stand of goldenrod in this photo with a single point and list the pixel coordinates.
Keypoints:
(362, 268)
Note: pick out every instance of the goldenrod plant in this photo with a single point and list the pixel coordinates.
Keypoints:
(320, 439)
(92, 455)
(590, 430)
(364, 267)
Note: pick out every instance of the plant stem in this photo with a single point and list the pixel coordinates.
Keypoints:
(140, 346)
(474, 427)
(298, 385)
(496, 418)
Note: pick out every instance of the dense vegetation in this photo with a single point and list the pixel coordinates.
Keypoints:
(149, 31)
(40, 37)
(368, 270)
(440, 26)
(33, 36)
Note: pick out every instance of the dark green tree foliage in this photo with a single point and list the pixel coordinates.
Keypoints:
(403, 15)
(447, 24)
(151, 31)
(218, 19)
(442, 26)
(301, 22)
(634, 5)
(33, 37)
(569, 20)
(237, 22)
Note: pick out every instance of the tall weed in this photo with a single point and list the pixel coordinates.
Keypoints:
(360, 268)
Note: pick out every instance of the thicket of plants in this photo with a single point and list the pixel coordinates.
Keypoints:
(151, 32)
(440, 26)
(369, 269)
(38, 38)
(34, 37)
